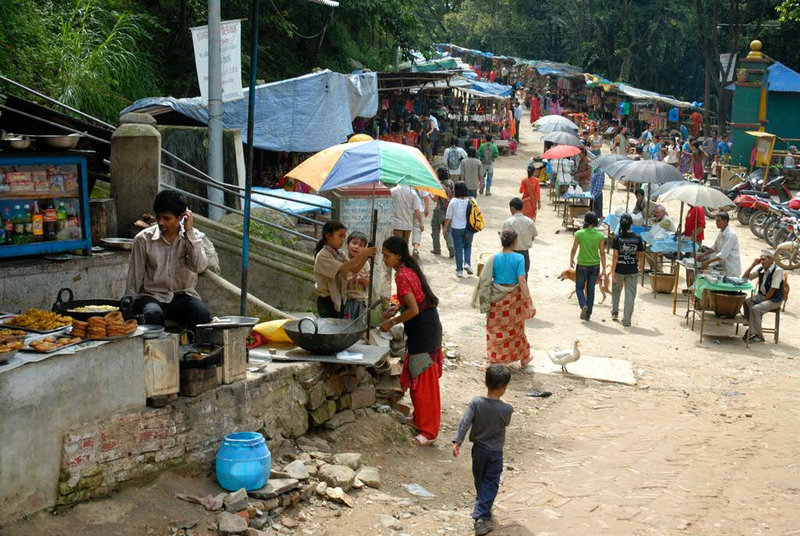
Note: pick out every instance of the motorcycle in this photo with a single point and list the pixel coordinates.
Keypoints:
(787, 254)
(752, 186)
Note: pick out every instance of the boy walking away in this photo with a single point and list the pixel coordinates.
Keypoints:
(471, 172)
(488, 154)
(488, 417)
(453, 156)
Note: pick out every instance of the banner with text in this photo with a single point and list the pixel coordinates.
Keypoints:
(231, 39)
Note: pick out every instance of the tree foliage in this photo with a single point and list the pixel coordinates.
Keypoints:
(99, 55)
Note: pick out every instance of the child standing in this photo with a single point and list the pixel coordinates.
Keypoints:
(357, 282)
(331, 269)
(488, 416)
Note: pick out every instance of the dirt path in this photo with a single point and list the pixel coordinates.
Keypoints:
(706, 443)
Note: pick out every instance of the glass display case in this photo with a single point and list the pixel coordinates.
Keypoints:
(44, 205)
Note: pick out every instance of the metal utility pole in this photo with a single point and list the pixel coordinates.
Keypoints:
(215, 131)
(251, 113)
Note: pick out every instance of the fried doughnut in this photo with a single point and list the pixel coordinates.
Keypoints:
(114, 318)
(96, 321)
(79, 324)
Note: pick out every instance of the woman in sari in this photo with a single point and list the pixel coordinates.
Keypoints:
(502, 293)
(531, 191)
(686, 156)
(417, 312)
(697, 162)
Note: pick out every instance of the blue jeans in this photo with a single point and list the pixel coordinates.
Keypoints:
(487, 466)
(487, 178)
(586, 276)
(462, 242)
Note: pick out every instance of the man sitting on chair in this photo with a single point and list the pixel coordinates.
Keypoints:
(769, 296)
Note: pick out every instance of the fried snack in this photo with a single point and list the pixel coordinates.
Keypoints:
(40, 320)
(97, 321)
(42, 346)
(113, 318)
(79, 324)
(10, 345)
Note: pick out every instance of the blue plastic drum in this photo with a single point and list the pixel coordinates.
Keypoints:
(243, 461)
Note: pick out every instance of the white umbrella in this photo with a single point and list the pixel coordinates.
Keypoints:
(555, 127)
(607, 159)
(555, 119)
(694, 194)
(562, 138)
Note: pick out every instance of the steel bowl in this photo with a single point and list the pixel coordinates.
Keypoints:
(323, 336)
(5, 356)
(61, 142)
(117, 243)
(17, 143)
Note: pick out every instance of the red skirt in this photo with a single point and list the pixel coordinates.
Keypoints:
(425, 396)
(506, 341)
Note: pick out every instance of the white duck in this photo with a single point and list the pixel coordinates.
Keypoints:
(563, 357)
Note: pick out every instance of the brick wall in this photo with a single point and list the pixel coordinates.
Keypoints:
(283, 402)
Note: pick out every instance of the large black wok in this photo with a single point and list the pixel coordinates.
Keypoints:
(321, 336)
(66, 307)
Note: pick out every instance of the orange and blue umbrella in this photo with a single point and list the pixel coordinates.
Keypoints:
(352, 164)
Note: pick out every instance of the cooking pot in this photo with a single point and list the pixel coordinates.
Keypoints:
(16, 143)
(68, 306)
(323, 336)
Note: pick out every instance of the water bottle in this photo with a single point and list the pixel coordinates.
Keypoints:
(61, 217)
(19, 225)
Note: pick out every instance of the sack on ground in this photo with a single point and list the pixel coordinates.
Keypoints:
(475, 221)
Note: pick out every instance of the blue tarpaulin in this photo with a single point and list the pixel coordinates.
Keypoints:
(304, 114)
(294, 202)
(491, 88)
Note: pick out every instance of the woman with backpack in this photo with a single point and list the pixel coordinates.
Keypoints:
(456, 221)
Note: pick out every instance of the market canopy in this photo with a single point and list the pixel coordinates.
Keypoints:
(492, 88)
(303, 114)
(643, 94)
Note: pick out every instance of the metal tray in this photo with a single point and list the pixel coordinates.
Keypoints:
(117, 243)
(5, 356)
(227, 322)
(32, 351)
(151, 331)
(5, 322)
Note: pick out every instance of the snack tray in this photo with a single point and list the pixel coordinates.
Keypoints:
(6, 323)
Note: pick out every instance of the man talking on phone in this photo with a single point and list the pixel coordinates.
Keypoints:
(165, 261)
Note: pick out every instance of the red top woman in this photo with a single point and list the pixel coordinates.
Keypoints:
(422, 366)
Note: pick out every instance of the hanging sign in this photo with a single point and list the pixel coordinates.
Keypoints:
(231, 44)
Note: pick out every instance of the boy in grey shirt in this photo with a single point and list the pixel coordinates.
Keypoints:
(488, 416)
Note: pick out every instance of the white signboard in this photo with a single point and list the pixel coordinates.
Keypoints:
(231, 39)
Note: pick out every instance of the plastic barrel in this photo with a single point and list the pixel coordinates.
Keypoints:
(243, 461)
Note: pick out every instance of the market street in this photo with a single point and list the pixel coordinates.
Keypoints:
(705, 443)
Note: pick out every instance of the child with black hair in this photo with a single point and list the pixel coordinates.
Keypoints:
(331, 269)
(357, 282)
(488, 417)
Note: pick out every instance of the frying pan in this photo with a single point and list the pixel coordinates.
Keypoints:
(64, 307)
(326, 336)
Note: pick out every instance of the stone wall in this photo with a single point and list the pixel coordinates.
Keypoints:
(282, 402)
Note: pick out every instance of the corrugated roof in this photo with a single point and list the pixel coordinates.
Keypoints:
(782, 78)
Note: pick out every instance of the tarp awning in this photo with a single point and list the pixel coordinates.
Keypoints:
(643, 94)
(304, 114)
(492, 88)
(481, 94)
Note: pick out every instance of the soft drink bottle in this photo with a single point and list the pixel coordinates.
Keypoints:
(28, 225)
(61, 218)
(37, 219)
(8, 223)
(49, 220)
(19, 225)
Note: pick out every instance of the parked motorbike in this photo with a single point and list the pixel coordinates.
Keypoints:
(752, 186)
(787, 254)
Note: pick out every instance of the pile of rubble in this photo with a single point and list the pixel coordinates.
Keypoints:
(318, 478)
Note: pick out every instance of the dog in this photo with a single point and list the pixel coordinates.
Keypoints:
(602, 282)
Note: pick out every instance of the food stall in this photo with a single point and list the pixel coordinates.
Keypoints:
(44, 205)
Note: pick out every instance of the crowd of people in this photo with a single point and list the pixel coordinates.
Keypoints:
(501, 291)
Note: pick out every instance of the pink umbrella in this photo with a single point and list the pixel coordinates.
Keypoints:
(560, 151)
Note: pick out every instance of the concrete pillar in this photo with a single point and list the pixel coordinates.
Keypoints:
(749, 103)
(135, 168)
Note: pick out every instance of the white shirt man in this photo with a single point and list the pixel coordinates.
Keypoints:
(406, 208)
(725, 252)
(525, 229)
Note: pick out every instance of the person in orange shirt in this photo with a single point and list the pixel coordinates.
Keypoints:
(531, 193)
(697, 120)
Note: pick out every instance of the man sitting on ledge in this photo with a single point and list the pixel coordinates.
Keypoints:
(165, 261)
